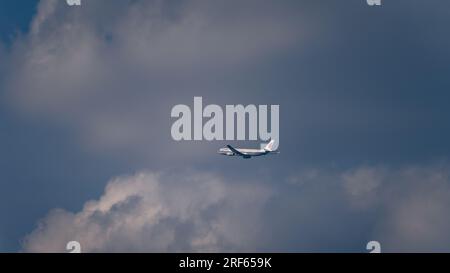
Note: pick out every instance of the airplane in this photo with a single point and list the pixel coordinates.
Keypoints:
(248, 153)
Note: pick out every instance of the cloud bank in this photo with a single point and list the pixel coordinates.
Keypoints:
(405, 209)
(155, 212)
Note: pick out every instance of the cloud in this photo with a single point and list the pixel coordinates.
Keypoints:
(415, 202)
(113, 70)
(109, 67)
(159, 212)
(362, 184)
(405, 208)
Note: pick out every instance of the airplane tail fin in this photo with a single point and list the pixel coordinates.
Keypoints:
(269, 147)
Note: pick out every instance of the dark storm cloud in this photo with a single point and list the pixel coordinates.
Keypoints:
(116, 80)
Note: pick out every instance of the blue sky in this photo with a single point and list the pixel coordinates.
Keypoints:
(86, 94)
(15, 17)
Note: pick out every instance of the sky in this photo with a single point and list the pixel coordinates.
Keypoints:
(86, 152)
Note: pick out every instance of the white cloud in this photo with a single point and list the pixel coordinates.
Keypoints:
(362, 184)
(415, 204)
(407, 207)
(404, 208)
(157, 212)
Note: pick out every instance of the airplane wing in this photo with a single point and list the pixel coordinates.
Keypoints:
(235, 151)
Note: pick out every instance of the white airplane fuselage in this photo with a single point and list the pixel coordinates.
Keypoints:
(247, 153)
